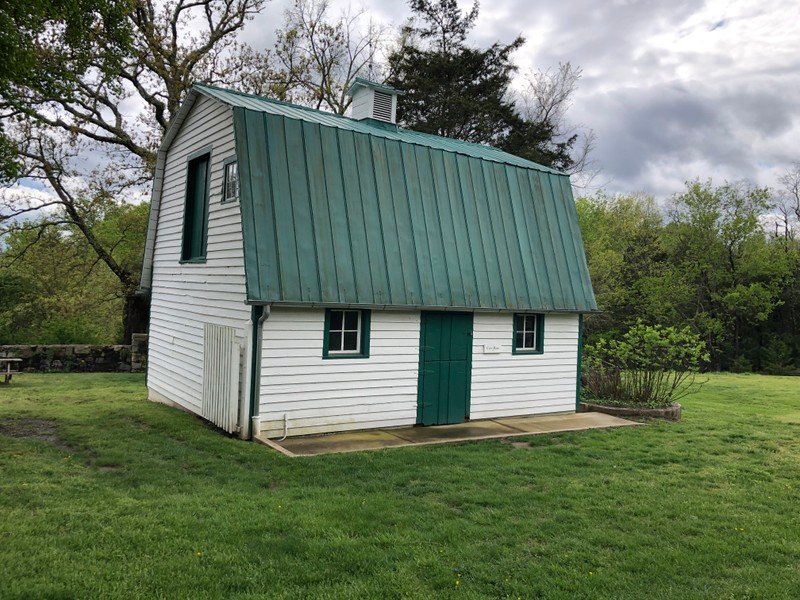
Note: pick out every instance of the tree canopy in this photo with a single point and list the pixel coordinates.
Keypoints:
(457, 90)
(46, 45)
(101, 79)
(711, 261)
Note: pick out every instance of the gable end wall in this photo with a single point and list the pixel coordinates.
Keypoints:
(186, 296)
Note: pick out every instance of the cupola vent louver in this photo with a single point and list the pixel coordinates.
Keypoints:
(382, 107)
(373, 101)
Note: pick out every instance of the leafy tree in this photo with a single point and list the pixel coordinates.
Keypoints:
(719, 253)
(59, 292)
(780, 352)
(46, 44)
(110, 96)
(713, 264)
(624, 251)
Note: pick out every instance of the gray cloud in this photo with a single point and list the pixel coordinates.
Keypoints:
(676, 91)
(673, 90)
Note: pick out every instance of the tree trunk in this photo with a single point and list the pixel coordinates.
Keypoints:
(136, 315)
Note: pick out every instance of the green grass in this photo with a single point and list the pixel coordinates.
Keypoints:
(105, 495)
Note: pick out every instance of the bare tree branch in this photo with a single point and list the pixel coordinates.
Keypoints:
(317, 57)
(546, 99)
(173, 42)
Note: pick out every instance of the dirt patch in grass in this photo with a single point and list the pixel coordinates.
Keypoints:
(138, 424)
(110, 468)
(36, 429)
(529, 446)
(524, 445)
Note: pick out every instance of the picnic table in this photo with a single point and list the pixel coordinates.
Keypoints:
(5, 368)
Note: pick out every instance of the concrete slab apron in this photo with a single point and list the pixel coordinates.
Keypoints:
(357, 441)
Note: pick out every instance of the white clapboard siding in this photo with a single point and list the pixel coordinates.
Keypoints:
(324, 395)
(187, 296)
(505, 384)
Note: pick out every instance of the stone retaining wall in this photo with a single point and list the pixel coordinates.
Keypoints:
(81, 358)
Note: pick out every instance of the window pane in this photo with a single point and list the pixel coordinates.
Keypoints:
(350, 340)
(528, 339)
(335, 341)
(530, 323)
(520, 323)
(351, 320)
(336, 319)
(231, 181)
(520, 339)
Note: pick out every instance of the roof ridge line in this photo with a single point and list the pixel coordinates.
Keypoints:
(379, 132)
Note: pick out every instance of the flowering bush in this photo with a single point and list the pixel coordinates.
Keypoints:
(650, 366)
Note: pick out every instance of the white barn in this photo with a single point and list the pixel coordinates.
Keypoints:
(313, 273)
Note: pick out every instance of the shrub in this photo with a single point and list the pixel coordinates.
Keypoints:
(777, 358)
(741, 364)
(651, 366)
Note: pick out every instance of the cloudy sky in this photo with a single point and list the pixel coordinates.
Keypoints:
(674, 90)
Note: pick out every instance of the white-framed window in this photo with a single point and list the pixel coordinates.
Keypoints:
(528, 333)
(230, 185)
(346, 333)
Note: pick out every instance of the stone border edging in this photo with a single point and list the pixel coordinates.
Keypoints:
(670, 413)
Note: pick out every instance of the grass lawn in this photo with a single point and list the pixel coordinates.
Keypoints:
(105, 495)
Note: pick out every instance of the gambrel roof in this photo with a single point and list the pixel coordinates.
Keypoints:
(343, 212)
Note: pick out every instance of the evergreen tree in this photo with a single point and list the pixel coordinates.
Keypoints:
(462, 92)
(452, 89)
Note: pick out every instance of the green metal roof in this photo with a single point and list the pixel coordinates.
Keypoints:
(338, 211)
(370, 127)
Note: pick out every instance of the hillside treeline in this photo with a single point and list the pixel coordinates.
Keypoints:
(723, 260)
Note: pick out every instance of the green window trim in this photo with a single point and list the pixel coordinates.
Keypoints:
(195, 209)
(522, 327)
(230, 178)
(336, 337)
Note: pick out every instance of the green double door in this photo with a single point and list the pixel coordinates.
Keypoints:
(445, 368)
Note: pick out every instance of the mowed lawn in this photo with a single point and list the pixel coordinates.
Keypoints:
(106, 495)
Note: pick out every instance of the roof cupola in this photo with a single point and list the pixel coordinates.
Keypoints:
(373, 101)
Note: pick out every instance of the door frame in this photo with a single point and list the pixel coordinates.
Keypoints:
(420, 375)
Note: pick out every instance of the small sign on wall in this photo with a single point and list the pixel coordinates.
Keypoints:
(491, 348)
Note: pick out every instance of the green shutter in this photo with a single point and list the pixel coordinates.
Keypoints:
(195, 217)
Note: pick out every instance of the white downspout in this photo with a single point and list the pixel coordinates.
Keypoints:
(263, 312)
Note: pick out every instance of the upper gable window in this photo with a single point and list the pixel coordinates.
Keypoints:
(195, 214)
(230, 185)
